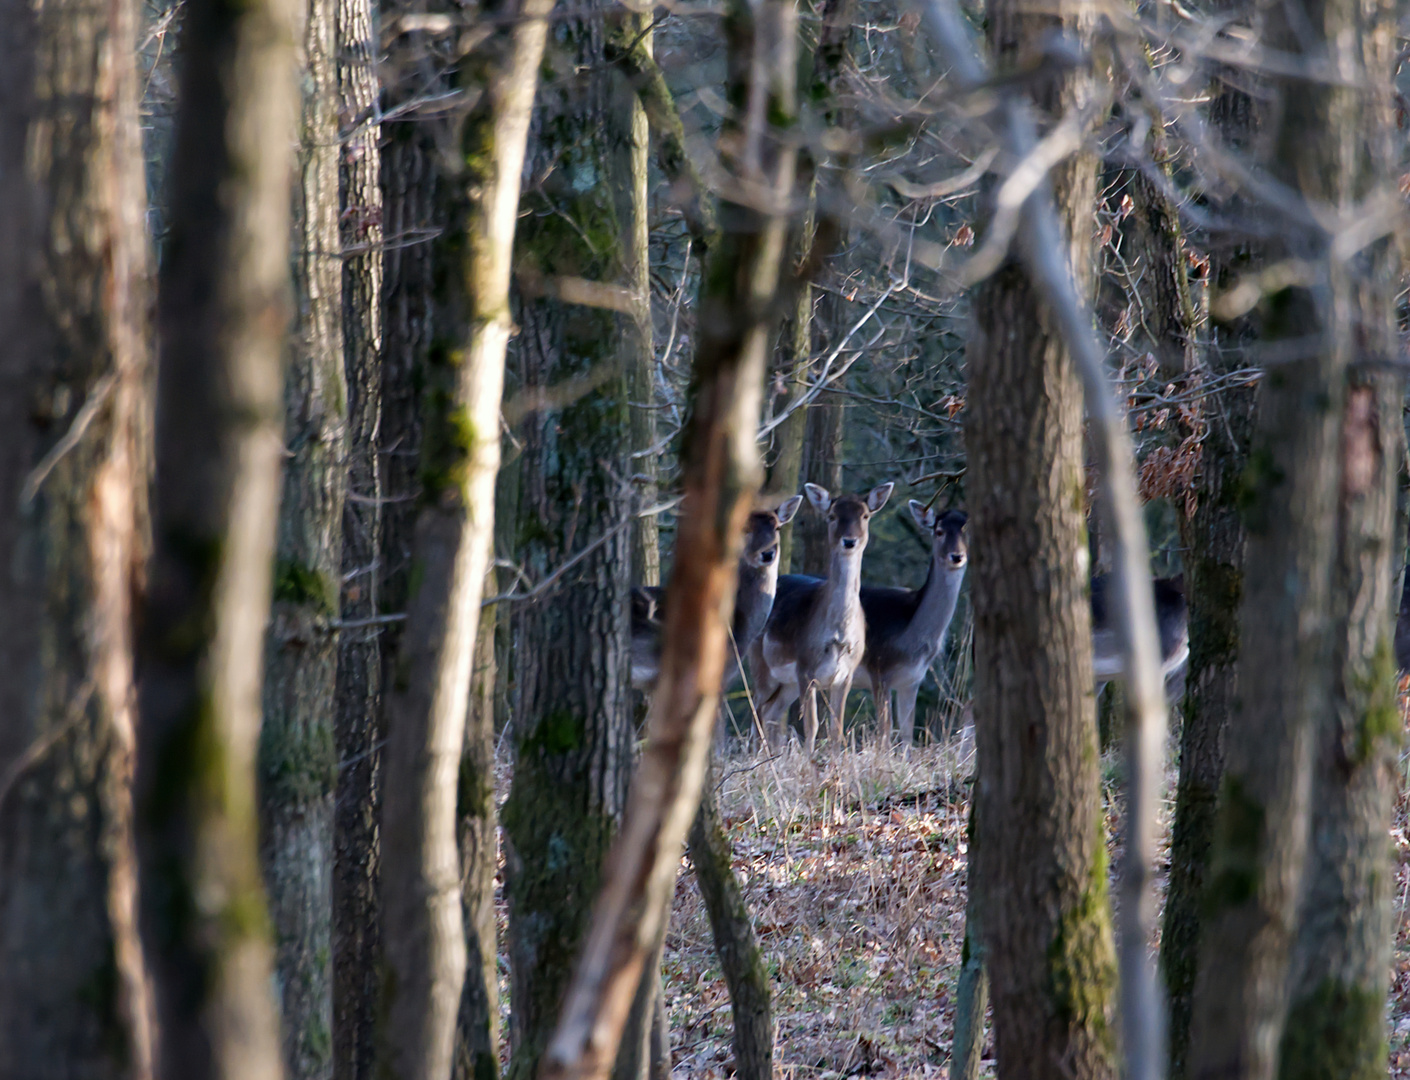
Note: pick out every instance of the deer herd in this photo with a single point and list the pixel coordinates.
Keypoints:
(806, 636)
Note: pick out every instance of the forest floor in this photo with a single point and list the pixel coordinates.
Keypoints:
(855, 870)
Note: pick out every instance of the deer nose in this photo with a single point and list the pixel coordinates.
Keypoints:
(849, 542)
(766, 557)
(957, 558)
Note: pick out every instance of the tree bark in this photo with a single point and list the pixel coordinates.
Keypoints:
(1336, 1018)
(972, 988)
(224, 308)
(358, 695)
(1214, 574)
(740, 292)
(423, 901)
(1323, 147)
(74, 465)
(297, 757)
(573, 722)
(1042, 856)
(736, 943)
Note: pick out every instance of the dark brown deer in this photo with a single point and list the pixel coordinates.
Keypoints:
(753, 598)
(815, 637)
(1171, 621)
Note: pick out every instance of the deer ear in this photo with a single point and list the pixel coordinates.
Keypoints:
(925, 517)
(787, 509)
(876, 498)
(818, 497)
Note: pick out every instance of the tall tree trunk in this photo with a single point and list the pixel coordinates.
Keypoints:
(972, 987)
(573, 721)
(1324, 146)
(423, 907)
(1336, 1017)
(1041, 860)
(1214, 574)
(297, 758)
(822, 461)
(74, 460)
(224, 309)
(359, 690)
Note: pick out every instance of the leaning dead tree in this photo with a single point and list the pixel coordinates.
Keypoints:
(1024, 206)
(224, 312)
(719, 475)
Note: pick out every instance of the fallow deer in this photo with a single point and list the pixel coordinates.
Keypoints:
(1171, 621)
(815, 637)
(753, 597)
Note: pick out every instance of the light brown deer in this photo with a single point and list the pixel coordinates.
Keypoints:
(815, 637)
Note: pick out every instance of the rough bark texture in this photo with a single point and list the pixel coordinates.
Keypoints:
(1326, 146)
(477, 1026)
(74, 293)
(1336, 1016)
(359, 688)
(736, 943)
(224, 310)
(297, 757)
(573, 716)
(972, 987)
(1042, 856)
(423, 899)
(1214, 571)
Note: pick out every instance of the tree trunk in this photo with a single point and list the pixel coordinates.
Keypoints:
(423, 901)
(1336, 1018)
(573, 721)
(1326, 146)
(297, 758)
(972, 989)
(477, 1029)
(1214, 574)
(74, 461)
(359, 688)
(1042, 856)
(224, 308)
(736, 943)
(822, 462)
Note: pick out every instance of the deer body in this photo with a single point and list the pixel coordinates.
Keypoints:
(753, 598)
(905, 628)
(816, 634)
(1171, 620)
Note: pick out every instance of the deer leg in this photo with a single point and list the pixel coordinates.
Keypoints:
(881, 696)
(906, 713)
(810, 716)
(837, 701)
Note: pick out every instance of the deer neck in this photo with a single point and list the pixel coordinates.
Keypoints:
(842, 590)
(938, 597)
(753, 600)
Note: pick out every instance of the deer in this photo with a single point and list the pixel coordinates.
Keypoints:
(816, 634)
(753, 597)
(1171, 621)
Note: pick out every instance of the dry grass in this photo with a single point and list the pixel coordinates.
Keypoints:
(855, 870)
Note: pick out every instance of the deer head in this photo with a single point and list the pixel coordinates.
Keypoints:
(948, 543)
(848, 516)
(761, 533)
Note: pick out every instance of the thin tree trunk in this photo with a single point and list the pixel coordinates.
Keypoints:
(736, 943)
(359, 688)
(422, 902)
(1041, 858)
(297, 758)
(477, 1029)
(224, 309)
(972, 989)
(822, 461)
(1214, 576)
(74, 460)
(1289, 500)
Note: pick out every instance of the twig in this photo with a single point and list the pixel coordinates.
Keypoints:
(36, 750)
(96, 397)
